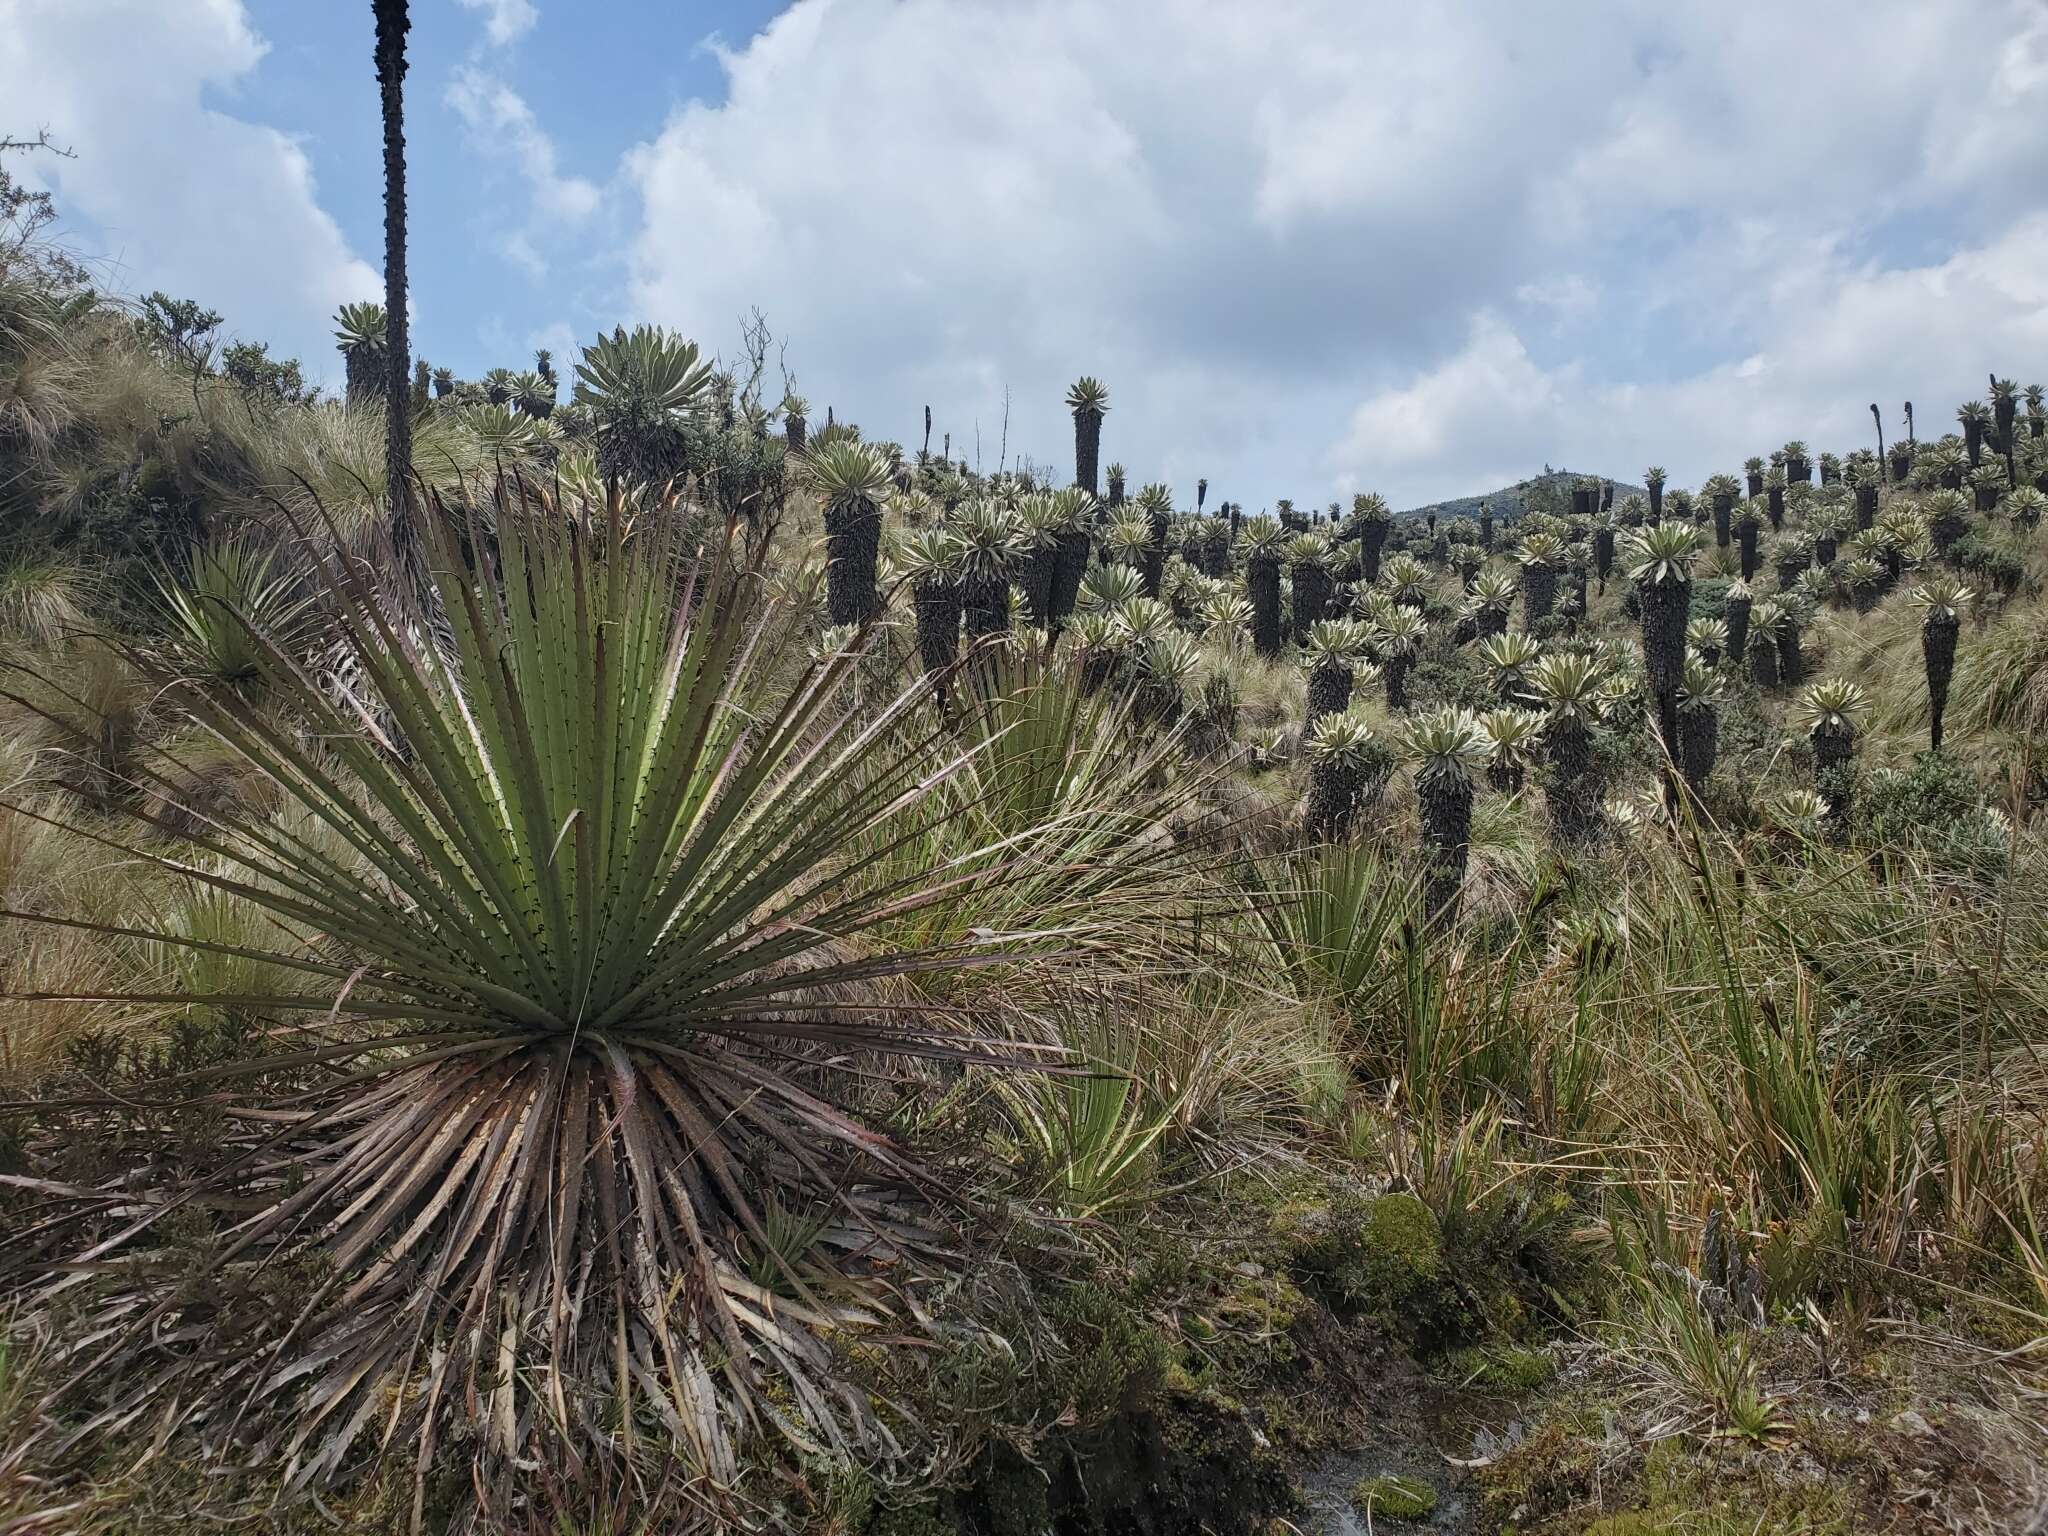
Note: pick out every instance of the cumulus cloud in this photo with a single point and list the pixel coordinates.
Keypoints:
(505, 21)
(182, 196)
(1319, 243)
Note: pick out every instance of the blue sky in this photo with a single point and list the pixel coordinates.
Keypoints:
(1312, 246)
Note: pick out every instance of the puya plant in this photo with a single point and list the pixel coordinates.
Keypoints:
(574, 936)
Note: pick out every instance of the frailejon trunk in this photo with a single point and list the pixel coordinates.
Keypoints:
(853, 535)
(1395, 671)
(1699, 743)
(1262, 589)
(1336, 790)
(1036, 579)
(1311, 598)
(938, 624)
(1486, 531)
(1087, 448)
(1539, 594)
(1866, 507)
(1799, 471)
(1756, 484)
(1656, 503)
(1745, 537)
(1603, 554)
(1763, 661)
(1329, 689)
(1735, 613)
(1070, 564)
(985, 606)
(1372, 538)
(1153, 570)
(1505, 777)
(1833, 779)
(1776, 502)
(1445, 800)
(1938, 652)
(1665, 609)
(1572, 796)
(1724, 511)
(793, 434)
(1492, 621)
(1791, 659)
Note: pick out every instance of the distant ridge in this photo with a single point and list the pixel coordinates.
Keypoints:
(1511, 501)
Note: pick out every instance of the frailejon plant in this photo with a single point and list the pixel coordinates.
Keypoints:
(1370, 519)
(1308, 566)
(1396, 637)
(1088, 399)
(1347, 768)
(1831, 712)
(1941, 601)
(1567, 686)
(1509, 657)
(641, 387)
(852, 479)
(1659, 561)
(573, 944)
(1335, 647)
(1542, 556)
(1447, 746)
(1699, 721)
(1514, 736)
(929, 559)
(1260, 544)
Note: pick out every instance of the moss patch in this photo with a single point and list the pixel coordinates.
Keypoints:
(1393, 1498)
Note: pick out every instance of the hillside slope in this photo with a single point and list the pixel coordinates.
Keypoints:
(1551, 490)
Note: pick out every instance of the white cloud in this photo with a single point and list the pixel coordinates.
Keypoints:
(1842, 336)
(1249, 220)
(505, 21)
(500, 121)
(182, 196)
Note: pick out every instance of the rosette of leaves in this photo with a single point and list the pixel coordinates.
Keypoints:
(1508, 657)
(1708, 638)
(1515, 737)
(562, 1006)
(1407, 581)
(1108, 586)
(1491, 598)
